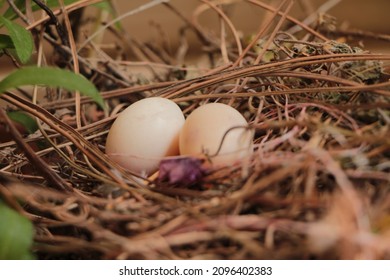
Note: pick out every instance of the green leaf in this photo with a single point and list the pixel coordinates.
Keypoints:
(24, 119)
(52, 77)
(21, 38)
(6, 42)
(16, 235)
(105, 6)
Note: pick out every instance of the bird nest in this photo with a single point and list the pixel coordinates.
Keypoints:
(316, 185)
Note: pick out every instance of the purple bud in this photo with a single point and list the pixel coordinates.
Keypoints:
(183, 170)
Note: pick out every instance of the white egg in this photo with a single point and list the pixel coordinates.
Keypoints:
(144, 133)
(212, 124)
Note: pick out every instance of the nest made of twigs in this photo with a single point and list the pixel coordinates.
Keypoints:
(316, 186)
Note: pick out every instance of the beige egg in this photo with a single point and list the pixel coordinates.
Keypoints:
(212, 124)
(144, 133)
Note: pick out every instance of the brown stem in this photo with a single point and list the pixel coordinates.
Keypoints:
(52, 177)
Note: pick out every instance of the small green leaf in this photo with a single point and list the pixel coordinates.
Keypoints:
(21, 38)
(104, 5)
(24, 119)
(16, 235)
(52, 77)
(6, 42)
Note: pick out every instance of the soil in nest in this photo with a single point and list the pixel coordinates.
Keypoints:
(315, 187)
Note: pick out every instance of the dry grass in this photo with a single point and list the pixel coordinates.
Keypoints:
(317, 185)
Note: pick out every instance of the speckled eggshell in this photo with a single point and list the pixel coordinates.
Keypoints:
(144, 133)
(205, 128)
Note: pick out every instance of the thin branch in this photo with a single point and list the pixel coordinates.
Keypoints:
(53, 178)
(53, 20)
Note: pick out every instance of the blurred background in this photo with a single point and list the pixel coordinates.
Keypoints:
(159, 24)
(350, 14)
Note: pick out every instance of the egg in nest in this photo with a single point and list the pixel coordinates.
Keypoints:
(218, 131)
(144, 133)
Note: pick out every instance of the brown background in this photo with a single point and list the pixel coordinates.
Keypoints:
(362, 14)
